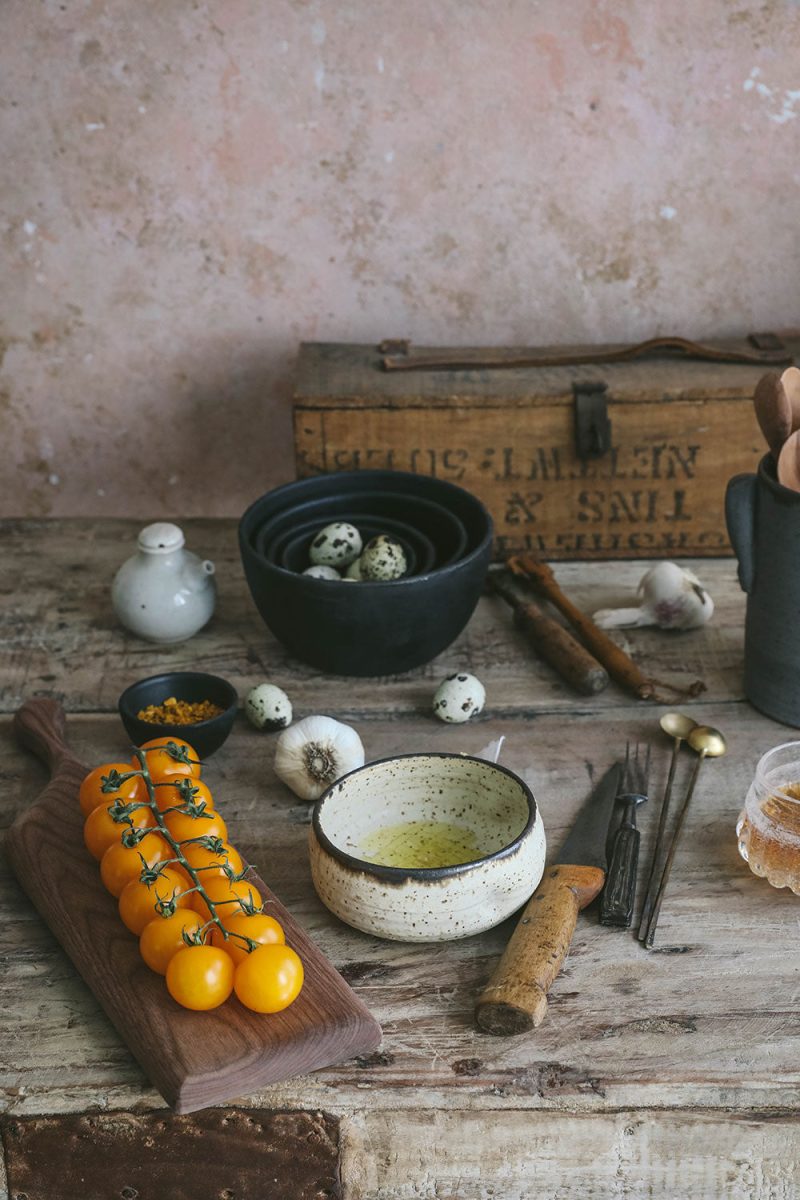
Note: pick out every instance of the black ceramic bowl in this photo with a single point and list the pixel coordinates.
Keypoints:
(192, 686)
(431, 519)
(368, 628)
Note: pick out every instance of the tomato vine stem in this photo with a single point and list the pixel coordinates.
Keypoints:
(179, 856)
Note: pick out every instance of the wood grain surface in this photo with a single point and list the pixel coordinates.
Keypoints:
(195, 1059)
(60, 637)
(509, 437)
(223, 1154)
(658, 1075)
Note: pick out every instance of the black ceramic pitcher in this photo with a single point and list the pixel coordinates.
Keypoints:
(763, 520)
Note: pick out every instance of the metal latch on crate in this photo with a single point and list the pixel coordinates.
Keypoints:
(592, 423)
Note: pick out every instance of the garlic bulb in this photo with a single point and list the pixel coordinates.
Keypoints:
(314, 753)
(672, 598)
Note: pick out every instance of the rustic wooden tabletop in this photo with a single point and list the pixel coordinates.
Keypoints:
(662, 1074)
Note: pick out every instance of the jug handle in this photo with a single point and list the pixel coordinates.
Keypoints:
(740, 512)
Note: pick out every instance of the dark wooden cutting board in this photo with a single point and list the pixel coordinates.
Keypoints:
(195, 1059)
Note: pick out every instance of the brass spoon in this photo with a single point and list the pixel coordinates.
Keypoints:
(678, 727)
(708, 743)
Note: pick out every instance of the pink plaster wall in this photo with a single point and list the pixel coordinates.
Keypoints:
(191, 188)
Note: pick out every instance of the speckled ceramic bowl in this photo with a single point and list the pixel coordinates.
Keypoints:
(426, 904)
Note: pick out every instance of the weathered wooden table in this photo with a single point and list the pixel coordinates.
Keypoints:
(667, 1074)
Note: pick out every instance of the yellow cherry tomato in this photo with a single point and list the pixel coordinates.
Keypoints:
(139, 904)
(200, 977)
(160, 762)
(269, 979)
(259, 927)
(163, 938)
(122, 864)
(100, 830)
(170, 794)
(228, 897)
(211, 863)
(91, 794)
(185, 828)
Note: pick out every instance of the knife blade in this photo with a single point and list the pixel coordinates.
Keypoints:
(515, 998)
(586, 841)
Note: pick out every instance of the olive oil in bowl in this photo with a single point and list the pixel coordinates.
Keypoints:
(420, 844)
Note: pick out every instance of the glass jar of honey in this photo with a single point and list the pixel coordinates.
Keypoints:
(769, 826)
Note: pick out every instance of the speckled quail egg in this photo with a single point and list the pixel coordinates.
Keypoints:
(458, 698)
(322, 572)
(268, 707)
(354, 570)
(336, 545)
(383, 559)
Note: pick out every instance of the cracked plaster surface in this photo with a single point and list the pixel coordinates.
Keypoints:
(193, 188)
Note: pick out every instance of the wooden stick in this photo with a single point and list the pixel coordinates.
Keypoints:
(619, 665)
(551, 641)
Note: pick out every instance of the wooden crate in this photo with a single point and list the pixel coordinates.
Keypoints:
(679, 430)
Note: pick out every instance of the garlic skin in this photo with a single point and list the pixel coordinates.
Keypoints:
(672, 598)
(458, 698)
(268, 707)
(314, 753)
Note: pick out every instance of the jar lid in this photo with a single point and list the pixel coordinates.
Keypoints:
(161, 538)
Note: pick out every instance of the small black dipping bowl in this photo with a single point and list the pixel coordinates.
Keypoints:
(192, 686)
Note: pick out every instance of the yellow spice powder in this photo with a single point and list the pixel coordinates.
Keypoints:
(179, 712)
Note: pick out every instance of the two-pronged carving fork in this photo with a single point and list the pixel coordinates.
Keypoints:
(616, 904)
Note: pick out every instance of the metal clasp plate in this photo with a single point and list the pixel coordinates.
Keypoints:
(592, 424)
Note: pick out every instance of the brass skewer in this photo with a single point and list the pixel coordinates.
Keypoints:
(678, 727)
(708, 743)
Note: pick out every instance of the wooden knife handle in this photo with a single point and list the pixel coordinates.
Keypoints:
(515, 999)
(558, 647)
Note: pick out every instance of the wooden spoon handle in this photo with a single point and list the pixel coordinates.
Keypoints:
(773, 411)
(619, 665)
(515, 999)
(40, 726)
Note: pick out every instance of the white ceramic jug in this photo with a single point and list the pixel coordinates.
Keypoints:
(164, 593)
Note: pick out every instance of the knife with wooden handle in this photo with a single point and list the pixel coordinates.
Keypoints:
(515, 999)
